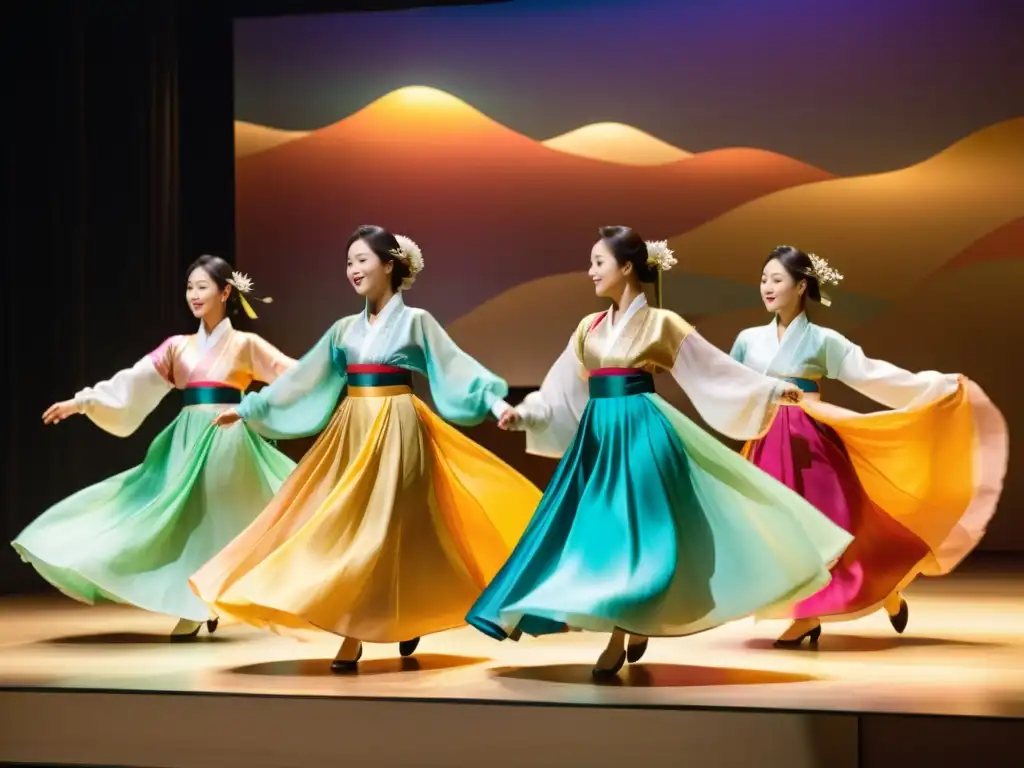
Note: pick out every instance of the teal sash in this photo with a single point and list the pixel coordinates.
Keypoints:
(211, 396)
(638, 383)
(396, 379)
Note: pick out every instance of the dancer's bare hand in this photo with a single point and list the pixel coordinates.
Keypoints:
(792, 395)
(57, 412)
(509, 419)
(224, 418)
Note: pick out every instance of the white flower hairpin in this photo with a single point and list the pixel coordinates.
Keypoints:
(825, 275)
(823, 272)
(660, 256)
(242, 283)
(409, 254)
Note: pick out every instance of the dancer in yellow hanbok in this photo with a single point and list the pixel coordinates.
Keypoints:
(394, 522)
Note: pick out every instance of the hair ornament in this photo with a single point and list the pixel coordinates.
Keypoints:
(660, 256)
(242, 283)
(409, 254)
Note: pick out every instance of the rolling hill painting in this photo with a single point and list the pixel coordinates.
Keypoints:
(502, 147)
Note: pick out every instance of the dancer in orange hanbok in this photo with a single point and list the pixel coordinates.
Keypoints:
(915, 485)
(394, 522)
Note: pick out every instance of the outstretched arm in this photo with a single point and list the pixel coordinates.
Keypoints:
(733, 399)
(301, 400)
(120, 404)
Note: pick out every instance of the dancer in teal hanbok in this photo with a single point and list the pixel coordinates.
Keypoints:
(650, 526)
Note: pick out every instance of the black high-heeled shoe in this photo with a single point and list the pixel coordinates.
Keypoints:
(900, 619)
(812, 635)
(343, 666)
(408, 647)
(603, 673)
(212, 624)
(636, 651)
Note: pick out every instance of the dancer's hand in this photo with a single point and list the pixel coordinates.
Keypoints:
(224, 418)
(509, 419)
(57, 412)
(792, 395)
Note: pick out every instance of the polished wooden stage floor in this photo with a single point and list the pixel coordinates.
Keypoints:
(962, 655)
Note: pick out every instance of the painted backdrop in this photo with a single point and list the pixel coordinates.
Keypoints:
(885, 135)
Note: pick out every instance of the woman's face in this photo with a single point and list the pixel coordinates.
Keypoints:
(609, 278)
(368, 274)
(204, 298)
(779, 291)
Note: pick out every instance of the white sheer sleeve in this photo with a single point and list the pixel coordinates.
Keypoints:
(881, 381)
(551, 415)
(733, 399)
(120, 404)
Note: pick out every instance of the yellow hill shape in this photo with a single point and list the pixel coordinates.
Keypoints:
(425, 109)
(616, 143)
(251, 138)
(885, 232)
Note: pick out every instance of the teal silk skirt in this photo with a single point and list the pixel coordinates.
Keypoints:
(138, 537)
(652, 526)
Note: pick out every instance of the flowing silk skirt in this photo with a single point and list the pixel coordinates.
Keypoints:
(653, 526)
(916, 488)
(137, 537)
(388, 529)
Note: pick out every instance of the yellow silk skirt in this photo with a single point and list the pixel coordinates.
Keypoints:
(388, 529)
(937, 469)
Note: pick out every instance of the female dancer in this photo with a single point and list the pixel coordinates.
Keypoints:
(916, 485)
(650, 527)
(394, 521)
(136, 537)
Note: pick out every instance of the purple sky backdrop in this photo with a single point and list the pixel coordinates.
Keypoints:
(852, 86)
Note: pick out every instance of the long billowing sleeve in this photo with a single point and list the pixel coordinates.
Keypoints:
(551, 415)
(268, 362)
(733, 399)
(881, 381)
(300, 401)
(463, 391)
(120, 404)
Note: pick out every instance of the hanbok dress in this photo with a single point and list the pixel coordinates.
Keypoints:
(915, 485)
(650, 525)
(137, 537)
(394, 521)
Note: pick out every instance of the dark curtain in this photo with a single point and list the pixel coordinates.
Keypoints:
(118, 172)
(93, 268)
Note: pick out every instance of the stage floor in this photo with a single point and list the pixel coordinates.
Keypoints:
(962, 655)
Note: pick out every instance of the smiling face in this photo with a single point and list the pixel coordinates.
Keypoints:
(205, 299)
(610, 279)
(370, 277)
(779, 291)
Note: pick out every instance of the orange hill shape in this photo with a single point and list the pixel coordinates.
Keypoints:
(885, 232)
(475, 194)
(616, 143)
(251, 138)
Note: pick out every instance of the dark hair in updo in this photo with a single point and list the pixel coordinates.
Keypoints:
(220, 272)
(382, 243)
(799, 267)
(629, 248)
